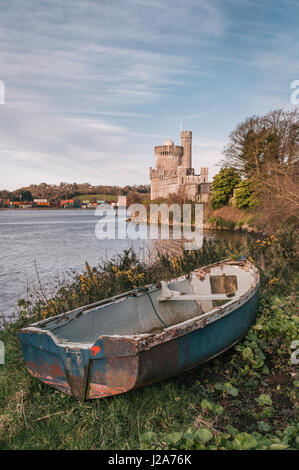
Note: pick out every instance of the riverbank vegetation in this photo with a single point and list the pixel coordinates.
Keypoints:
(245, 399)
(260, 171)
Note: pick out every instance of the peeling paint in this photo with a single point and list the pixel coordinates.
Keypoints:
(115, 364)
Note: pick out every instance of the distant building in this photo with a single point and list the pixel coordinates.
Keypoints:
(174, 173)
(122, 201)
(41, 203)
(76, 203)
(5, 202)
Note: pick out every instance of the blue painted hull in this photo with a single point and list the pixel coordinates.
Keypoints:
(195, 348)
(114, 365)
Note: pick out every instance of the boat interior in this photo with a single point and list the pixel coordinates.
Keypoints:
(175, 302)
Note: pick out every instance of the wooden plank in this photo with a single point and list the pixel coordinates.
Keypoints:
(223, 284)
(197, 297)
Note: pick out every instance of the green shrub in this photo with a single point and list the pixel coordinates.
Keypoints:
(246, 195)
(221, 222)
(223, 186)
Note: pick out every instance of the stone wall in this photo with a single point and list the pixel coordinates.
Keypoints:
(174, 174)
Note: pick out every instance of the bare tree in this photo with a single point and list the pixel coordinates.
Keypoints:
(266, 150)
(263, 142)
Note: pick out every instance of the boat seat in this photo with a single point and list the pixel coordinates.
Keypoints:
(167, 294)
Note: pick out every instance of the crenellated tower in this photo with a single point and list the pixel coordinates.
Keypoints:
(174, 174)
(186, 143)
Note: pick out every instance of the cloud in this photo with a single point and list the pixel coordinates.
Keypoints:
(92, 86)
(73, 68)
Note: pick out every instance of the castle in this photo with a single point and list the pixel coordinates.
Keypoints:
(174, 173)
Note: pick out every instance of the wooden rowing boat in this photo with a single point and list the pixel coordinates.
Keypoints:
(145, 335)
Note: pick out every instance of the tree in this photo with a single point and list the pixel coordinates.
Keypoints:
(4, 194)
(279, 195)
(246, 195)
(22, 195)
(264, 141)
(223, 186)
(134, 197)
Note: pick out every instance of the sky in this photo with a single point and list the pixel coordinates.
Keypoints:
(91, 86)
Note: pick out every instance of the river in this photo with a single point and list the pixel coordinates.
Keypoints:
(49, 244)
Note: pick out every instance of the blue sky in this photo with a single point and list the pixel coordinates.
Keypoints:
(93, 85)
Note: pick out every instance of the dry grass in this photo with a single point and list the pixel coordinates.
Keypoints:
(230, 213)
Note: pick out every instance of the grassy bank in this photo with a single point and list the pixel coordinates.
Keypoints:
(229, 217)
(247, 398)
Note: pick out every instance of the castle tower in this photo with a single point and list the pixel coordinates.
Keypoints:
(204, 174)
(168, 157)
(186, 143)
(173, 173)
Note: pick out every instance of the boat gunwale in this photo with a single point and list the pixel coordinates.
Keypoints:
(148, 340)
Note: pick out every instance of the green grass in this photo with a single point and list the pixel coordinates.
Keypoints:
(222, 223)
(246, 398)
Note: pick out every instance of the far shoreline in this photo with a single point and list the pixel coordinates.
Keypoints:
(45, 208)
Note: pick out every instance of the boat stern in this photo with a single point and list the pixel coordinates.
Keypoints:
(62, 367)
(108, 367)
(113, 368)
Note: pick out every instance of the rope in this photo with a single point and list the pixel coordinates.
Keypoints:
(158, 316)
